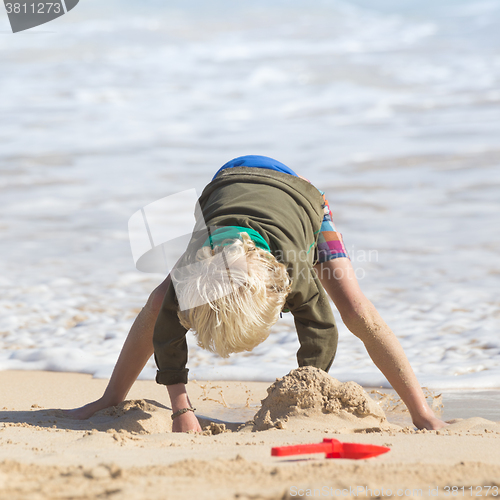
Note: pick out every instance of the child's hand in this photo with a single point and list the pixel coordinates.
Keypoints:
(430, 422)
(86, 411)
(186, 422)
(106, 401)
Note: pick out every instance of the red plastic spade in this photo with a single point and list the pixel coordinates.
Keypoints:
(333, 449)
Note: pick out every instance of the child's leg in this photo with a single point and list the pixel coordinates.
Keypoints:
(363, 320)
(135, 353)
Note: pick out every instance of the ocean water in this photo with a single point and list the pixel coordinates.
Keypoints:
(391, 107)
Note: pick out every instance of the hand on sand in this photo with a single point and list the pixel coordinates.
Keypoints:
(186, 422)
(430, 422)
(86, 411)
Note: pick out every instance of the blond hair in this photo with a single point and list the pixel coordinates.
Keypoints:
(242, 295)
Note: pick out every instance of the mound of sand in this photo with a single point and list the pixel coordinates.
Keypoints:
(476, 425)
(310, 397)
(139, 416)
(145, 416)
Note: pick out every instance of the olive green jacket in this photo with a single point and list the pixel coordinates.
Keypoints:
(287, 211)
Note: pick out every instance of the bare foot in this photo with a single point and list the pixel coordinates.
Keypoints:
(86, 411)
(186, 422)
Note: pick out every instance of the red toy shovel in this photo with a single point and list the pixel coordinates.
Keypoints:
(333, 449)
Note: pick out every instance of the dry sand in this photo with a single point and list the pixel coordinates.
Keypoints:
(129, 451)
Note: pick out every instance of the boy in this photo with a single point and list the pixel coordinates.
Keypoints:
(272, 247)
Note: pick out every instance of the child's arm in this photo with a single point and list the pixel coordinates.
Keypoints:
(134, 355)
(363, 320)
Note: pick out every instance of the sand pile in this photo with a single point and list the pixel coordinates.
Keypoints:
(309, 394)
(145, 416)
(137, 416)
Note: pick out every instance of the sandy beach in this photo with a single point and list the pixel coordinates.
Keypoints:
(391, 108)
(129, 451)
